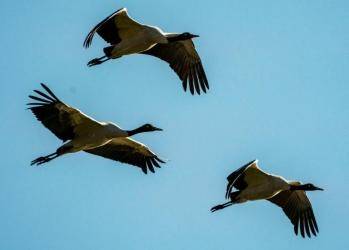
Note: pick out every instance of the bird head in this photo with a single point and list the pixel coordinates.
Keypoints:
(305, 187)
(148, 128)
(311, 187)
(144, 128)
(187, 35)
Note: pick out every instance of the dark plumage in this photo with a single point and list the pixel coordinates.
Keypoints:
(86, 134)
(298, 209)
(126, 36)
(251, 183)
(236, 179)
(187, 65)
(128, 151)
(53, 114)
(106, 29)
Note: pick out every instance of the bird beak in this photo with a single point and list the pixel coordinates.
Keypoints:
(195, 36)
(317, 188)
(158, 129)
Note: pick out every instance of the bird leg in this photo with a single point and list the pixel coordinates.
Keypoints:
(97, 61)
(64, 149)
(43, 159)
(221, 206)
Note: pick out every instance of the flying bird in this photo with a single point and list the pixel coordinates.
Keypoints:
(127, 36)
(80, 132)
(251, 183)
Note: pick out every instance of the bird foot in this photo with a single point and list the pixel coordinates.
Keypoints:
(94, 62)
(40, 160)
(218, 207)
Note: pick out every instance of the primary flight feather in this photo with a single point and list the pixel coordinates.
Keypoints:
(251, 183)
(127, 36)
(80, 132)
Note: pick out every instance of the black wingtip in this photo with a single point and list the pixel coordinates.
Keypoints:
(144, 170)
(44, 86)
(44, 95)
(185, 83)
(155, 163)
(160, 160)
(150, 166)
(38, 99)
(49, 91)
(85, 44)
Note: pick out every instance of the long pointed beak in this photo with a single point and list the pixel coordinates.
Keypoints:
(158, 129)
(317, 188)
(195, 36)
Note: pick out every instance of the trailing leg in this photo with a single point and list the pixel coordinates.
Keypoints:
(43, 159)
(221, 206)
(233, 200)
(97, 61)
(108, 51)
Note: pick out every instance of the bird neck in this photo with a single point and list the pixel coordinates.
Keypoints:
(113, 131)
(298, 187)
(135, 131)
(175, 38)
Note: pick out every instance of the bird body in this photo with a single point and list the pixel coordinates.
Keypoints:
(82, 133)
(95, 136)
(127, 36)
(137, 42)
(262, 191)
(262, 188)
(251, 183)
(255, 184)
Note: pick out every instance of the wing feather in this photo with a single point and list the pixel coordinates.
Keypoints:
(298, 209)
(113, 28)
(185, 61)
(63, 121)
(239, 179)
(129, 151)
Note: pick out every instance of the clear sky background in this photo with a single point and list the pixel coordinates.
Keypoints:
(278, 72)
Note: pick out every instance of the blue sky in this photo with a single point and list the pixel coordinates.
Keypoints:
(278, 72)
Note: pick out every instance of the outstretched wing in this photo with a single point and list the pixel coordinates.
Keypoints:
(128, 151)
(298, 209)
(248, 174)
(113, 28)
(185, 61)
(62, 120)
